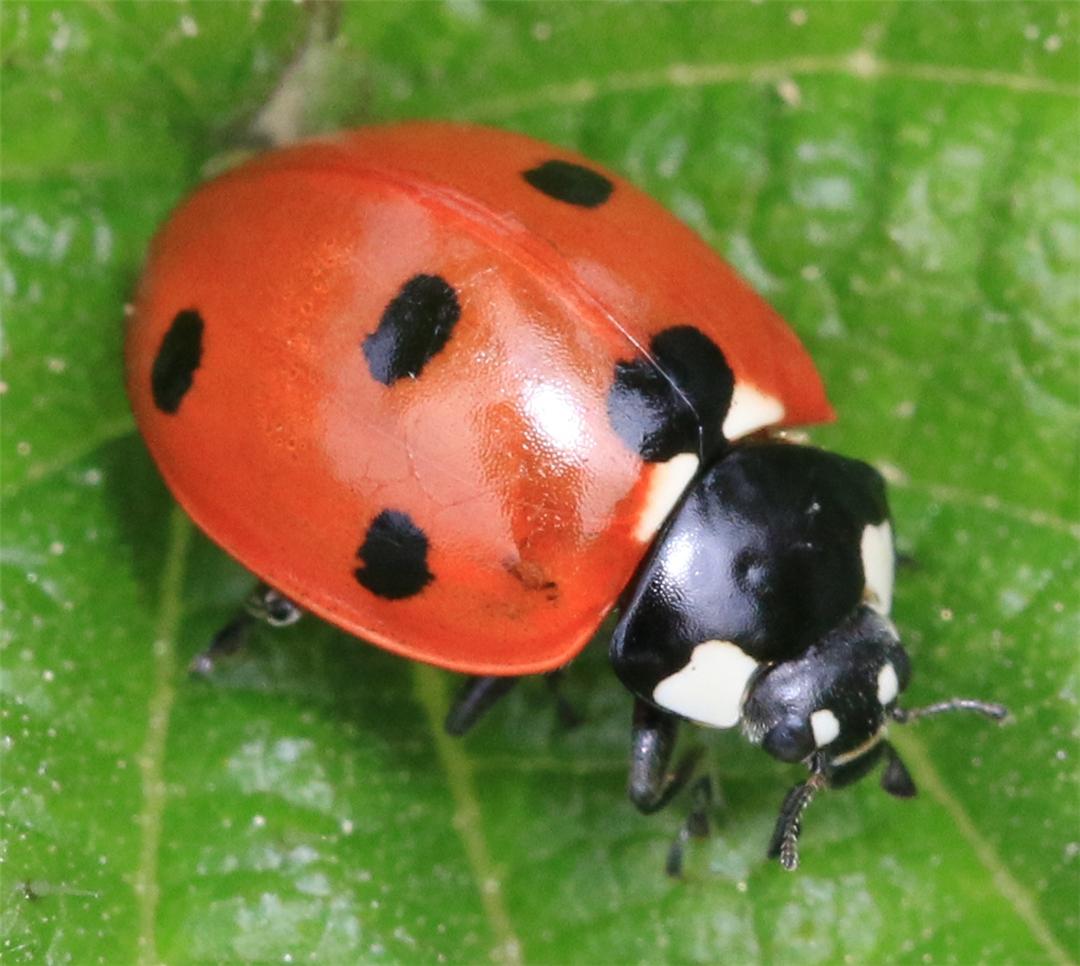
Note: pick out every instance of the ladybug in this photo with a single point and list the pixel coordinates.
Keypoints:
(461, 393)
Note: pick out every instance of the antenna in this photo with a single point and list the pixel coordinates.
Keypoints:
(785, 839)
(988, 708)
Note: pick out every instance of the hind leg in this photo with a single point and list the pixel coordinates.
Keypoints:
(264, 605)
(474, 701)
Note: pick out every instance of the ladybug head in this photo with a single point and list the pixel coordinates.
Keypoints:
(834, 700)
(831, 708)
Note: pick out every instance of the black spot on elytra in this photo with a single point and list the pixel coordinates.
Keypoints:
(413, 329)
(394, 557)
(176, 361)
(569, 182)
(674, 402)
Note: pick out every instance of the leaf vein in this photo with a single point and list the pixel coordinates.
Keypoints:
(988, 502)
(111, 430)
(159, 710)
(862, 64)
(1014, 893)
(431, 694)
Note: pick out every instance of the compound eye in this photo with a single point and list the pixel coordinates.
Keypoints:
(791, 740)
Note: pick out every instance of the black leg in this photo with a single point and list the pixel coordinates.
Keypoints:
(696, 825)
(265, 605)
(226, 642)
(652, 785)
(896, 779)
(569, 717)
(475, 699)
(272, 607)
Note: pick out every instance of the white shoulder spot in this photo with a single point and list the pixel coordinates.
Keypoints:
(750, 410)
(825, 727)
(667, 482)
(710, 689)
(877, 560)
(888, 685)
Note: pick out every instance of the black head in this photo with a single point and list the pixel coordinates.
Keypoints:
(831, 709)
(834, 700)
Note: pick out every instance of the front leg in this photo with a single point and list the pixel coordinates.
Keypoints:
(652, 785)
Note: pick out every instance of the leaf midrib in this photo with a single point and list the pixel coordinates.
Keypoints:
(430, 692)
(1019, 899)
(861, 64)
(159, 711)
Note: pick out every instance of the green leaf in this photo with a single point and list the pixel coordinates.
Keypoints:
(899, 179)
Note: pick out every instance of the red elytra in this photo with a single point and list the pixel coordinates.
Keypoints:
(405, 339)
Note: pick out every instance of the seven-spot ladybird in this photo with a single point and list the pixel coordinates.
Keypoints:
(461, 393)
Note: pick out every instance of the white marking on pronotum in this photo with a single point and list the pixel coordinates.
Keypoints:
(667, 483)
(877, 560)
(888, 685)
(825, 727)
(751, 409)
(710, 689)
